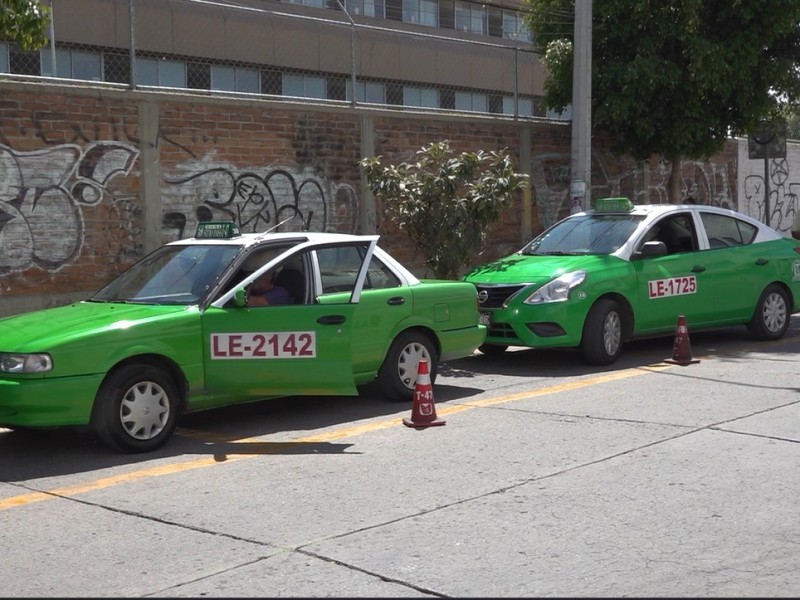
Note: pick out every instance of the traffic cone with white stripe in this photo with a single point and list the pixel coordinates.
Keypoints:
(681, 349)
(423, 412)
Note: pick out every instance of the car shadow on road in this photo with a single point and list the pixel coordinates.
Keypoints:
(727, 343)
(29, 454)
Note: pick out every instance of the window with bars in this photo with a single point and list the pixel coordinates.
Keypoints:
(514, 27)
(472, 101)
(422, 12)
(367, 91)
(303, 86)
(367, 8)
(235, 79)
(72, 64)
(524, 107)
(420, 96)
(167, 73)
(471, 17)
(314, 3)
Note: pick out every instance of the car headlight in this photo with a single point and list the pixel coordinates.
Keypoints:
(557, 290)
(25, 363)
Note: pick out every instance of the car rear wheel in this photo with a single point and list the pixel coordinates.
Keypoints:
(492, 349)
(602, 333)
(771, 318)
(136, 409)
(397, 376)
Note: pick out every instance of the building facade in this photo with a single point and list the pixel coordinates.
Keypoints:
(434, 54)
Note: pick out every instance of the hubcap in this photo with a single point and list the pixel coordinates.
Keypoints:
(612, 333)
(144, 410)
(408, 364)
(775, 313)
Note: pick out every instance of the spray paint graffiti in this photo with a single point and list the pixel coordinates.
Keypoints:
(42, 194)
(784, 187)
(257, 201)
(644, 182)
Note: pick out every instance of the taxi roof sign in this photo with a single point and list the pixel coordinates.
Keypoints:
(217, 230)
(613, 205)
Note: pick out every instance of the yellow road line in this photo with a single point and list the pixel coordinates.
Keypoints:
(348, 432)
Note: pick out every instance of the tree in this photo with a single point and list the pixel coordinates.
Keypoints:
(24, 22)
(792, 116)
(445, 202)
(675, 78)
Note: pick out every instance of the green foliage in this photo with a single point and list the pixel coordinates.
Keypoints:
(24, 22)
(792, 116)
(675, 78)
(445, 201)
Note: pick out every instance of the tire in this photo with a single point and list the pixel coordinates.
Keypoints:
(136, 409)
(602, 333)
(772, 316)
(493, 349)
(397, 376)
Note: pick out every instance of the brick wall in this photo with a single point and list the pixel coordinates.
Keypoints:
(92, 178)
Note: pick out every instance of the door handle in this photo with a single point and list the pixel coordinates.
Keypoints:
(331, 320)
(698, 269)
(761, 262)
(396, 301)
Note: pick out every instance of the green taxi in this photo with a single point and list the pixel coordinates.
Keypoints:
(621, 271)
(175, 333)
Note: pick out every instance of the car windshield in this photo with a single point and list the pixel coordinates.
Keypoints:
(170, 275)
(585, 234)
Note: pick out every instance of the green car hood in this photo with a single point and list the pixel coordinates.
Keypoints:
(40, 330)
(518, 268)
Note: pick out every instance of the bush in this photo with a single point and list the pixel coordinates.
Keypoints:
(445, 202)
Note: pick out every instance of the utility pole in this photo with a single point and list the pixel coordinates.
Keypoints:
(581, 161)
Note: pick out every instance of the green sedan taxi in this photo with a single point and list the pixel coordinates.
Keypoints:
(621, 271)
(175, 333)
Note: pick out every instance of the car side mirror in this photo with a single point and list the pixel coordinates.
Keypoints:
(653, 248)
(240, 298)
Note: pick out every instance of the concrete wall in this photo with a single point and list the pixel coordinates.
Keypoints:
(91, 178)
(783, 177)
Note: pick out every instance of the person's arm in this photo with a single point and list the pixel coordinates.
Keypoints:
(277, 295)
(254, 299)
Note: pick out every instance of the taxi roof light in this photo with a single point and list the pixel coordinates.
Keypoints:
(613, 205)
(218, 230)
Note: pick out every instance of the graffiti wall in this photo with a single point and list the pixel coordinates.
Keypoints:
(258, 199)
(82, 173)
(769, 189)
(43, 195)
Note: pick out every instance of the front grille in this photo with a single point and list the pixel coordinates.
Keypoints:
(493, 296)
(502, 330)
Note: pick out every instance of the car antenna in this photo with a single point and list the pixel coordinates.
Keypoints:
(274, 227)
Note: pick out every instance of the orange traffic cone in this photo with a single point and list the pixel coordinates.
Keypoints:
(423, 412)
(681, 350)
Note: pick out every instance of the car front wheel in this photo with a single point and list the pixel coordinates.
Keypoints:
(136, 409)
(397, 376)
(771, 318)
(602, 333)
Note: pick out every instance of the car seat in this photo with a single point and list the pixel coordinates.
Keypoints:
(293, 282)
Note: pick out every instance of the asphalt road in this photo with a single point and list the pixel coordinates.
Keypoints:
(550, 478)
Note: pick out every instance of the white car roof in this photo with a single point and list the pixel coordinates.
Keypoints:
(246, 240)
(250, 239)
(652, 212)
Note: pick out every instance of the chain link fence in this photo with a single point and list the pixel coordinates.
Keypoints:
(364, 52)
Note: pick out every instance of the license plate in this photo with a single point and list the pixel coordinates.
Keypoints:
(485, 319)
